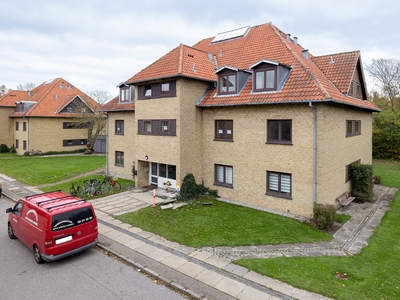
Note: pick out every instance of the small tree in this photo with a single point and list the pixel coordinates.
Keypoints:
(189, 188)
(29, 86)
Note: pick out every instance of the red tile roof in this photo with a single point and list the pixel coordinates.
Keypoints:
(50, 97)
(311, 79)
(114, 105)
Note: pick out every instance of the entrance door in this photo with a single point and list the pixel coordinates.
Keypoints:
(162, 173)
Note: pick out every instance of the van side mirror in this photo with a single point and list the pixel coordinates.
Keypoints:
(8, 210)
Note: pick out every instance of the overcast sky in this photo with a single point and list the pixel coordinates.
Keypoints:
(95, 45)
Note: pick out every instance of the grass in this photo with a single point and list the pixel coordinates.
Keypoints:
(65, 187)
(222, 224)
(373, 274)
(37, 170)
(342, 218)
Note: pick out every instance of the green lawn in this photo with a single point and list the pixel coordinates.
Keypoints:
(373, 274)
(222, 224)
(36, 170)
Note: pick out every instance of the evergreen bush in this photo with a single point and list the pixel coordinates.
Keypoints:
(362, 182)
(324, 215)
(4, 148)
(189, 188)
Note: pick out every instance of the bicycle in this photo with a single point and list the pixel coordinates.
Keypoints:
(33, 152)
(76, 189)
(110, 182)
(92, 187)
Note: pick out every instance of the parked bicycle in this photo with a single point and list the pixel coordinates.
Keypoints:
(76, 190)
(92, 187)
(35, 152)
(110, 182)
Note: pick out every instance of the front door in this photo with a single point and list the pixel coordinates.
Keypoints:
(162, 174)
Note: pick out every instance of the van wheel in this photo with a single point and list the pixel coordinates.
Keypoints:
(36, 253)
(11, 232)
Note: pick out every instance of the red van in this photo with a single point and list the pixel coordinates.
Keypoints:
(53, 225)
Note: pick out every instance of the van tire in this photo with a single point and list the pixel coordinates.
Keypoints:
(37, 255)
(11, 232)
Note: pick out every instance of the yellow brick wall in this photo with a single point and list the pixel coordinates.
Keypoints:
(251, 157)
(125, 143)
(6, 126)
(335, 150)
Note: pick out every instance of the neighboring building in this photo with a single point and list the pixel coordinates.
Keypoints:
(250, 112)
(43, 118)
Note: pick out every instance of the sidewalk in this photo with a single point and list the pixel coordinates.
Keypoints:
(213, 267)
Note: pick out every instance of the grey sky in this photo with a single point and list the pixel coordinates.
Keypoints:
(98, 44)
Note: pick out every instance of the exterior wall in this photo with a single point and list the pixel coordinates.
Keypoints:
(6, 126)
(335, 151)
(47, 134)
(125, 143)
(251, 157)
(21, 135)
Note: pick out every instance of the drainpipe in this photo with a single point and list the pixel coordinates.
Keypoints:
(107, 143)
(314, 154)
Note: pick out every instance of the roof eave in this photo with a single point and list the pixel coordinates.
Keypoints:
(169, 77)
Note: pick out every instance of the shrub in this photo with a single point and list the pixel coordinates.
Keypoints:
(203, 190)
(12, 149)
(362, 182)
(324, 215)
(189, 188)
(4, 148)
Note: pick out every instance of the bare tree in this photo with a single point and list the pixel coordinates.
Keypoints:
(29, 86)
(3, 90)
(87, 116)
(386, 73)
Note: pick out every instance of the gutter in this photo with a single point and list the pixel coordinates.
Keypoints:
(314, 153)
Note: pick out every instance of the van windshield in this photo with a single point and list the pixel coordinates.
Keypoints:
(71, 218)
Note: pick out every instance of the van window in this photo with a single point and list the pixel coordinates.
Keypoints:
(18, 208)
(71, 218)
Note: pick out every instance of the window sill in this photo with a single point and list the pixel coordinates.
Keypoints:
(119, 134)
(224, 185)
(284, 196)
(279, 143)
(119, 165)
(223, 140)
(350, 135)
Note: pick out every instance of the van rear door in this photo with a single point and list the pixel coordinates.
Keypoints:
(73, 229)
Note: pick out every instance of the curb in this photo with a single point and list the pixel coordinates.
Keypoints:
(165, 281)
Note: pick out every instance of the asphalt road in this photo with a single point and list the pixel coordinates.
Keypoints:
(89, 275)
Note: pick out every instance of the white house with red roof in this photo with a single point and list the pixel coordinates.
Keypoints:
(252, 113)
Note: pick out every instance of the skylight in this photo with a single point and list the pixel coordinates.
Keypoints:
(228, 35)
(50, 81)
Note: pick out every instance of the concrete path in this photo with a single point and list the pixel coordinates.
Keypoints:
(213, 267)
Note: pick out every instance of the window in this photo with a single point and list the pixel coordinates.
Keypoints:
(24, 126)
(119, 158)
(265, 80)
(147, 91)
(23, 145)
(17, 144)
(358, 91)
(147, 126)
(70, 143)
(71, 218)
(165, 89)
(223, 175)
(76, 142)
(279, 184)
(157, 127)
(75, 125)
(279, 131)
(124, 95)
(119, 126)
(224, 130)
(348, 177)
(351, 88)
(69, 109)
(227, 84)
(16, 126)
(353, 127)
(165, 126)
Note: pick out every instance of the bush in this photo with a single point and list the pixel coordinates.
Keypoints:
(12, 149)
(362, 182)
(189, 188)
(203, 190)
(4, 148)
(324, 215)
(386, 134)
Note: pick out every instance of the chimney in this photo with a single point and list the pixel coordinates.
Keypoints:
(288, 37)
(305, 53)
(295, 40)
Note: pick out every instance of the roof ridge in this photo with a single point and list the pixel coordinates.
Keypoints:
(358, 52)
(302, 64)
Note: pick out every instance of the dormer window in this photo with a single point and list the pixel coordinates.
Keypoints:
(165, 89)
(265, 79)
(124, 94)
(227, 84)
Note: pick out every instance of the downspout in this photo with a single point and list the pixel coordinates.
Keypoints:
(107, 143)
(314, 154)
